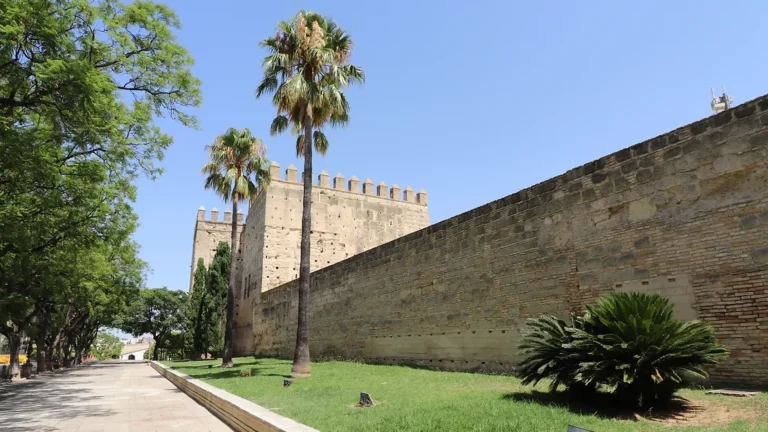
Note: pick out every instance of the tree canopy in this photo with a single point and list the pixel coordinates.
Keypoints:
(82, 84)
(158, 312)
(106, 346)
(207, 301)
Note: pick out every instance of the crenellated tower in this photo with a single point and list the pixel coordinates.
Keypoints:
(348, 217)
(208, 234)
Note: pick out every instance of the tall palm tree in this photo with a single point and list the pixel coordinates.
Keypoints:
(306, 70)
(237, 171)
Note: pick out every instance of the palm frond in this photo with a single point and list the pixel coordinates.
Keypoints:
(305, 73)
(321, 142)
(237, 158)
(279, 124)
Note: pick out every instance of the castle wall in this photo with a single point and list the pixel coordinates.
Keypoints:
(208, 234)
(346, 220)
(684, 214)
(250, 273)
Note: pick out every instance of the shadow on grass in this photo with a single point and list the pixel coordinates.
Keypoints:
(217, 364)
(605, 406)
(216, 372)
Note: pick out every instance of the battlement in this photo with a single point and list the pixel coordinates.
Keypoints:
(215, 216)
(395, 193)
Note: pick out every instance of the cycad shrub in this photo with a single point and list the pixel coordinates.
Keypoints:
(548, 354)
(626, 343)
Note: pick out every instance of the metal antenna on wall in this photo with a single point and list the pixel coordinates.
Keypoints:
(721, 103)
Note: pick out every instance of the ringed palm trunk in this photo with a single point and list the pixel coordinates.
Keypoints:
(226, 360)
(301, 354)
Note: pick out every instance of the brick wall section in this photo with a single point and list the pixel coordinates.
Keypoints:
(684, 214)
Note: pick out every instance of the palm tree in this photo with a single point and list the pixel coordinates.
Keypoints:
(306, 70)
(238, 170)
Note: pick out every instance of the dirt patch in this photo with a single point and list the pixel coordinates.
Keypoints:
(700, 413)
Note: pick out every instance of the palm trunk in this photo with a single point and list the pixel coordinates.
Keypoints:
(301, 355)
(226, 360)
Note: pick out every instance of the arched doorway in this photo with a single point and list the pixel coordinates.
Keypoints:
(131, 357)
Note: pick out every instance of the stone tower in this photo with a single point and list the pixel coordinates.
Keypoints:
(346, 220)
(208, 234)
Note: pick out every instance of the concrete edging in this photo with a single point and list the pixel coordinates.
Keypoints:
(238, 413)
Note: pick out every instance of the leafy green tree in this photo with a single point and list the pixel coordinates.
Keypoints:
(216, 288)
(627, 343)
(149, 352)
(307, 70)
(106, 346)
(157, 311)
(196, 311)
(237, 171)
(81, 85)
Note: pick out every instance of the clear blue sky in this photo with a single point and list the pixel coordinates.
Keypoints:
(471, 101)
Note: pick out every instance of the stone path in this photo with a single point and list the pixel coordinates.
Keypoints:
(106, 396)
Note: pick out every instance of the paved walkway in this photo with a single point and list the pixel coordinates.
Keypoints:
(106, 396)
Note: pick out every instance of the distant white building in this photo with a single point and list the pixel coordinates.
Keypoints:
(137, 340)
(134, 351)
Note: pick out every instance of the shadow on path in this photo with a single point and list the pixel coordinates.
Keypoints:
(49, 398)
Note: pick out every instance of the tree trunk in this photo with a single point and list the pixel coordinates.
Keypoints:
(41, 350)
(300, 367)
(78, 355)
(66, 360)
(14, 343)
(226, 359)
(60, 355)
(42, 335)
(154, 351)
(49, 359)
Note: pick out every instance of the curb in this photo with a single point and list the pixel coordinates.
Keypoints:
(240, 414)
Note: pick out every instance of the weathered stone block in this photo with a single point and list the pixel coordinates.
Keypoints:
(659, 143)
(588, 194)
(623, 155)
(745, 110)
(644, 175)
(672, 153)
(760, 255)
(629, 167)
(598, 178)
(640, 149)
(642, 243)
(620, 184)
(641, 209)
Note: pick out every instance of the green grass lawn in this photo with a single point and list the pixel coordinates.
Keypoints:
(409, 399)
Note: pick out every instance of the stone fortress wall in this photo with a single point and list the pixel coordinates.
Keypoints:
(684, 214)
(208, 233)
(346, 221)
